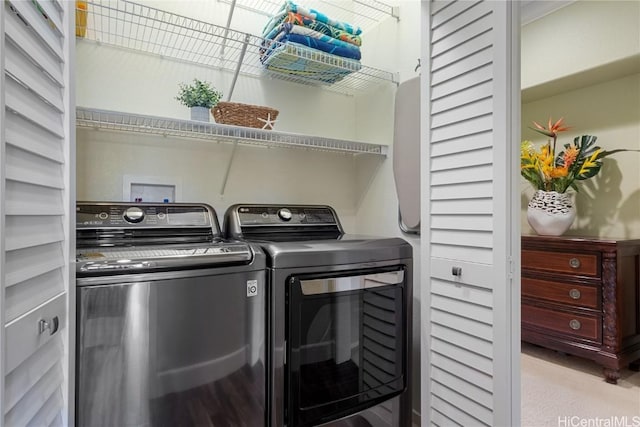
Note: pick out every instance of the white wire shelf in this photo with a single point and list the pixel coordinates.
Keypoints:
(134, 26)
(361, 13)
(138, 123)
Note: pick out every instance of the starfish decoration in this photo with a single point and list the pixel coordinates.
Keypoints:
(268, 123)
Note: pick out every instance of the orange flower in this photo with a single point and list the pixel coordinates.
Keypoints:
(559, 172)
(570, 155)
(553, 128)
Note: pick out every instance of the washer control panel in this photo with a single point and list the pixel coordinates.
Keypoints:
(122, 215)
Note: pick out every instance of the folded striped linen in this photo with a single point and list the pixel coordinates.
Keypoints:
(290, 6)
(310, 38)
(312, 24)
(284, 59)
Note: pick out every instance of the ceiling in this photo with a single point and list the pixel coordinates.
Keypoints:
(530, 10)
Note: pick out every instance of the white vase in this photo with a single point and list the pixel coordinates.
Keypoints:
(200, 114)
(551, 213)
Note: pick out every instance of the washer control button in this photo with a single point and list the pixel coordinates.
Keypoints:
(103, 215)
(284, 214)
(134, 214)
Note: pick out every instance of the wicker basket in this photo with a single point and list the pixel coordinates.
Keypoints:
(253, 116)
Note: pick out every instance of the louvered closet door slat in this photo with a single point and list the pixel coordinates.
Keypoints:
(28, 199)
(25, 377)
(32, 293)
(473, 190)
(446, 333)
(49, 36)
(479, 206)
(462, 222)
(465, 128)
(26, 412)
(468, 80)
(471, 374)
(476, 109)
(468, 326)
(31, 46)
(462, 253)
(32, 76)
(32, 169)
(23, 232)
(462, 144)
(49, 414)
(470, 47)
(468, 358)
(53, 12)
(478, 91)
(471, 311)
(448, 408)
(25, 264)
(467, 175)
(29, 105)
(457, 382)
(453, 10)
(22, 133)
(449, 41)
(464, 159)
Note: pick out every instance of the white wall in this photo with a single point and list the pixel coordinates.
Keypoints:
(582, 63)
(579, 37)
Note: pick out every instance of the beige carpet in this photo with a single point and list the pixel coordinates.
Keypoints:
(566, 391)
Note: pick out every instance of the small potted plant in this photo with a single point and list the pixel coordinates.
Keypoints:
(200, 97)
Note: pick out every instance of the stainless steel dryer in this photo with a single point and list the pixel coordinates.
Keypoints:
(339, 318)
(170, 319)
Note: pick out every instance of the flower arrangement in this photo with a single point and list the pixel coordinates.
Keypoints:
(548, 171)
(198, 94)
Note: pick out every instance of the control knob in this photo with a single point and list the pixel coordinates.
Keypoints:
(134, 214)
(284, 214)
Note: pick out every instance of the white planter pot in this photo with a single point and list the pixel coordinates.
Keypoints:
(200, 114)
(550, 213)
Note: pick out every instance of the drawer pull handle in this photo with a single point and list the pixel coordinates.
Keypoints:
(574, 263)
(456, 271)
(575, 324)
(575, 294)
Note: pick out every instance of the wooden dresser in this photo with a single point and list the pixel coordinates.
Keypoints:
(582, 296)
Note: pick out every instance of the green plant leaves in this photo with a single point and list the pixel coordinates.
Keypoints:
(198, 94)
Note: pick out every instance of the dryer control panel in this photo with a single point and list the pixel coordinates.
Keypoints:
(294, 215)
(268, 222)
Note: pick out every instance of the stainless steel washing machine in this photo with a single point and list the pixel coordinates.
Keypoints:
(339, 318)
(170, 319)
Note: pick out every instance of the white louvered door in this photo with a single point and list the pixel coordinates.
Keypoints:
(36, 175)
(470, 301)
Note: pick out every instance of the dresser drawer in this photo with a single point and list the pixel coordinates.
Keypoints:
(563, 293)
(582, 264)
(563, 323)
